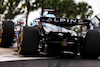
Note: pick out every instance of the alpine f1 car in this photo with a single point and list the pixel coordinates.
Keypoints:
(47, 36)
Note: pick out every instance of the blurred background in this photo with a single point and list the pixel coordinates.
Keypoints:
(20, 10)
(26, 11)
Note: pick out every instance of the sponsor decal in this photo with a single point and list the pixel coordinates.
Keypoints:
(60, 20)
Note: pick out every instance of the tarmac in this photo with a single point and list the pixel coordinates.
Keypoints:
(10, 58)
(11, 54)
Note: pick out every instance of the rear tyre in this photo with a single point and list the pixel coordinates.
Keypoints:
(29, 41)
(91, 49)
(7, 34)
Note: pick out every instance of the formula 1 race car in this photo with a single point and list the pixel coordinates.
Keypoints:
(48, 37)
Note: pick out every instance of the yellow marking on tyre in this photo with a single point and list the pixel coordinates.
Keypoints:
(1, 32)
(21, 41)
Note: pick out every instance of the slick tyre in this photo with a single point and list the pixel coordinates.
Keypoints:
(29, 41)
(91, 49)
(7, 33)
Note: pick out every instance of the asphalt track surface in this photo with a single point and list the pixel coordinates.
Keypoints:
(51, 62)
(58, 62)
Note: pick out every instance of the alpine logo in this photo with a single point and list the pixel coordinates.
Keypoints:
(60, 20)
